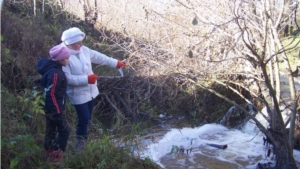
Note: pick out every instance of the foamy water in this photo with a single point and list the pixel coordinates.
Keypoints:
(245, 147)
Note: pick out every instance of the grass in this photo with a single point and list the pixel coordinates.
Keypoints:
(22, 136)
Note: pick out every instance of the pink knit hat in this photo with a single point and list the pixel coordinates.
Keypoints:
(59, 52)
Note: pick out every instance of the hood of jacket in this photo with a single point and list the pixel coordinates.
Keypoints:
(45, 65)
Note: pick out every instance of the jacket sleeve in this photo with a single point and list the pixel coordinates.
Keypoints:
(75, 80)
(51, 101)
(99, 58)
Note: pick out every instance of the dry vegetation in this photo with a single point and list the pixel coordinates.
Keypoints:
(182, 56)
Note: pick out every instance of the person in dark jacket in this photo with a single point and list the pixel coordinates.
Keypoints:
(54, 82)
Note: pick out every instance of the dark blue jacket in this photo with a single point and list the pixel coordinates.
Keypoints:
(54, 83)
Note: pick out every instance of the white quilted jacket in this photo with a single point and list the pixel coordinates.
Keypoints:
(77, 71)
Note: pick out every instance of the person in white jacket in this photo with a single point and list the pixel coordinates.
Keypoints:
(82, 82)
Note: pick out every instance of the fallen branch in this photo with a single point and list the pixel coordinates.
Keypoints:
(114, 106)
(218, 146)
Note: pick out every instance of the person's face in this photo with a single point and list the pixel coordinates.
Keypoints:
(64, 62)
(76, 46)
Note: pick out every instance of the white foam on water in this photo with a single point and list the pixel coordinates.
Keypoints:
(243, 145)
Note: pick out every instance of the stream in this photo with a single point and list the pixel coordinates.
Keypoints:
(174, 143)
(245, 147)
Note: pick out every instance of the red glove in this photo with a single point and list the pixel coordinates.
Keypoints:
(92, 78)
(120, 64)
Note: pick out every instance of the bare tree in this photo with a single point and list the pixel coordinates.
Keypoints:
(90, 12)
(34, 7)
(212, 41)
(252, 29)
(234, 38)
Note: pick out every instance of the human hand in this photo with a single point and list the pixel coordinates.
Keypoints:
(92, 78)
(120, 64)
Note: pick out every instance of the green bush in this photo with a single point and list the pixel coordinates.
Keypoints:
(25, 38)
(23, 128)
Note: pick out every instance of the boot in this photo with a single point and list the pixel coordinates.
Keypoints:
(80, 145)
(55, 156)
(48, 152)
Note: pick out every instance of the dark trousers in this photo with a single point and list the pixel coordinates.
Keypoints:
(84, 112)
(57, 132)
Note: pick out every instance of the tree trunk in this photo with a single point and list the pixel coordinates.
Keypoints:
(292, 90)
(284, 157)
(34, 8)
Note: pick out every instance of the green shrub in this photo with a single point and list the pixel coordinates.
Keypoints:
(102, 153)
